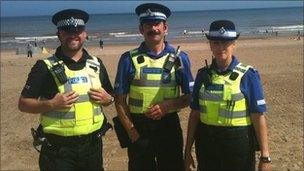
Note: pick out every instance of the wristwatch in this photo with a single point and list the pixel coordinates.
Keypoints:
(265, 159)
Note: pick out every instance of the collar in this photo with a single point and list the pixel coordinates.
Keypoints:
(168, 49)
(231, 66)
(67, 60)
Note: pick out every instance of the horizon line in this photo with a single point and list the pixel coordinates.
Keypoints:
(119, 13)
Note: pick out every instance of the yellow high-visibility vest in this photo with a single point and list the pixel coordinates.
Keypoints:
(223, 103)
(85, 116)
(147, 88)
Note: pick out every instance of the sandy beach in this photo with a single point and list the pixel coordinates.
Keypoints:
(279, 61)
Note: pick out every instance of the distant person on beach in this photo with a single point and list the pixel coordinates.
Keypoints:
(35, 43)
(150, 118)
(43, 44)
(299, 35)
(29, 50)
(100, 44)
(227, 120)
(185, 32)
(69, 90)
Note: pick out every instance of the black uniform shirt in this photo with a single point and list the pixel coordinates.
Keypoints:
(40, 82)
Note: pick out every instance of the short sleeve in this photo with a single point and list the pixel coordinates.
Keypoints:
(124, 75)
(104, 78)
(38, 76)
(252, 89)
(196, 88)
(184, 75)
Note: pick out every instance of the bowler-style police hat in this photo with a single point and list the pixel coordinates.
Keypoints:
(152, 12)
(222, 30)
(70, 20)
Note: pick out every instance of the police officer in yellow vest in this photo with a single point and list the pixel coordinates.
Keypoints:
(150, 116)
(228, 108)
(68, 90)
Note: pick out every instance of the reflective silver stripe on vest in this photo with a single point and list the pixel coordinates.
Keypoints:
(67, 87)
(211, 96)
(237, 97)
(152, 83)
(233, 114)
(136, 102)
(68, 115)
(92, 62)
(97, 111)
(83, 98)
(60, 115)
(144, 82)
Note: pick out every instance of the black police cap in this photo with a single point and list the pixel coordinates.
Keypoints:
(150, 12)
(71, 20)
(222, 30)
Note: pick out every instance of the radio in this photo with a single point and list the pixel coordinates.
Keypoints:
(59, 71)
(170, 62)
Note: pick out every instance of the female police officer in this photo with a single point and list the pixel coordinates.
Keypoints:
(69, 90)
(227, 100)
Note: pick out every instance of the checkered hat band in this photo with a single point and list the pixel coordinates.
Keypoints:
(231, 34)
(153, 14)
(70, 22)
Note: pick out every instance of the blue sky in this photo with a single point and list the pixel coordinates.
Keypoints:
(34, 8)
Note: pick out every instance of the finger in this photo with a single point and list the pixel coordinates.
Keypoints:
(94, 93)
(69, 93)
(94, 89)
(68, 105)
(97, 89)
(148, 111)
(155, 113)
(95, 97)
(72, 96)
(152, 110)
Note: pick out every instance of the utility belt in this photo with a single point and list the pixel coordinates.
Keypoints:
(145, 125)
(223, 132)
(41, 138)
(57, 140)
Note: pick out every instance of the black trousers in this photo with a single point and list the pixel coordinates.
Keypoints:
(72, 153)
(225, 148)
(163, 144)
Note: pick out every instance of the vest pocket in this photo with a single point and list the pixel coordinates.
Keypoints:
(97, 118)
(84, 113)
(64, 123)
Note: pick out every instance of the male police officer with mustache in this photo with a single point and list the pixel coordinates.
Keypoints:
(150, 117)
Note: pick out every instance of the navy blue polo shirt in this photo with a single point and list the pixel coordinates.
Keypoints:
(126, 70)
(250, 86)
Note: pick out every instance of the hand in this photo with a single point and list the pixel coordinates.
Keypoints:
(141, 143)
(265, 166)
(66, 100)
(189, 162)
(100, 96)
(156, 112)
(133, 134)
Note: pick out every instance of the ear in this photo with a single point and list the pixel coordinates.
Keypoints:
(85, 33)
(166, 27)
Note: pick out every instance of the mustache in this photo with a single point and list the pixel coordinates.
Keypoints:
(152, 33)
